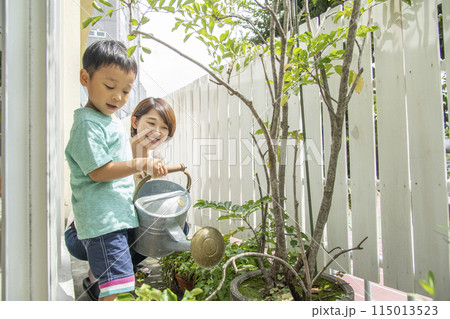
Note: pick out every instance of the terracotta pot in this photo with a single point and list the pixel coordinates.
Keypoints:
(235, 294)
(183, 284)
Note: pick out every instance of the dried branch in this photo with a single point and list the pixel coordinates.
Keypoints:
(343, 251)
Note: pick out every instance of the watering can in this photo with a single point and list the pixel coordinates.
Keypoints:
(162, 207)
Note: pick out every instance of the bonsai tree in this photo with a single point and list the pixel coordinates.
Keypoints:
(228, 30)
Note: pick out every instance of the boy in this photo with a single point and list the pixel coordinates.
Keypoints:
(101, 165)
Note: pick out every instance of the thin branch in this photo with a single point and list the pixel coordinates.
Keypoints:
(308, 16)
(352, 89)
(266, 173)
(274, 17)
(297, 225)
(254, 28)
(262, 239)
(343, 251)
(266, 76)
(324, 93)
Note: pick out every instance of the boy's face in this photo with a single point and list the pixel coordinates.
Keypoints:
(108, 88)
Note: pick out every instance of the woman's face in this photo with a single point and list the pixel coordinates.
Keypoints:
(158, 129)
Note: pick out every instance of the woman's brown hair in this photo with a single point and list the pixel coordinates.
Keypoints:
(162, 107)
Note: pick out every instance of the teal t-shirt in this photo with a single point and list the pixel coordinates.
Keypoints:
(99, 207)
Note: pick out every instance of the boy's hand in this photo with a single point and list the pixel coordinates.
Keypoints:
(155, 167)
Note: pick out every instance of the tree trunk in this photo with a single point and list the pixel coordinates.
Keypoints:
(336, 139)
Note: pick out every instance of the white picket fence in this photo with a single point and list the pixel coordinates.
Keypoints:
(400, 210)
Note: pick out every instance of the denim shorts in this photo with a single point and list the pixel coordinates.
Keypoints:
(110, 262)
(77, 250)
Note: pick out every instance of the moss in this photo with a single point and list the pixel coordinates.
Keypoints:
(254, 289)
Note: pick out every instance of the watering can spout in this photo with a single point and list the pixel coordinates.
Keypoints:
(207, 245)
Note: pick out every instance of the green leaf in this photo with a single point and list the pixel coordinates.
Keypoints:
(155, 294)
(110, 12)
(144, 20)
(86, 22)
(131, 37)
(146, 50)
(187, 37)
(105, 2)
(427, 287)
(224, 217)
(190, 295)
(429, 283)
(168, 295)
(359, 85)
(96, 19)
(97, 7)
(169, 9)
(134, 22)
(284, 99)
(125, 297)
(130, 50)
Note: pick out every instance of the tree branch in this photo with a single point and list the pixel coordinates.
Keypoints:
(254, 28)
(234, 91)
(274, 17)
(266, 76)
(307, 292)
(343, 251)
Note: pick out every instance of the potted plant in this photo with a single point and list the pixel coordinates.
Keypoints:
(293, 61)
(182, 265)
(179, 271)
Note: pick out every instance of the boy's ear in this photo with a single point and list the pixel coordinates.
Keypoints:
(134, 122)
(84, 77)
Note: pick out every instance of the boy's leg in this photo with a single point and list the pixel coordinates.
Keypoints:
(73, 244)
(110, 261)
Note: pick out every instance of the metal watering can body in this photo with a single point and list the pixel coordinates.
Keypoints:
(162, 208)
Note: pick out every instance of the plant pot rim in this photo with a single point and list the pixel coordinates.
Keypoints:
(236, 295)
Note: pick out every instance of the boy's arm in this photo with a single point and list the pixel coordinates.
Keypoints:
(116, 170)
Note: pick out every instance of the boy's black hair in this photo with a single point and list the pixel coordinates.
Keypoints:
(106, 53)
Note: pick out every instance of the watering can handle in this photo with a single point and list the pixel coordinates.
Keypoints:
(170, 169)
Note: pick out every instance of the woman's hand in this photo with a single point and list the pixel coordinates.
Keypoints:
(140, 144)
